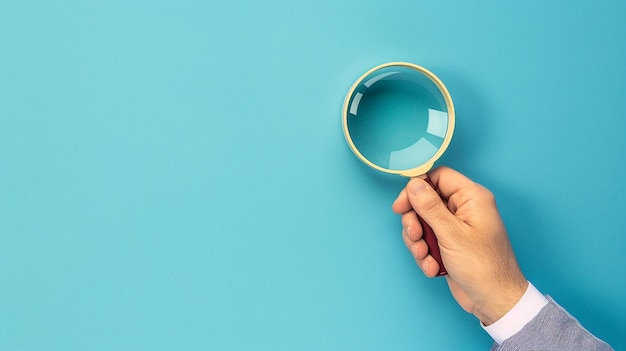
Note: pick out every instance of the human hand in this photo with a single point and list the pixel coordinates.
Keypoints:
(483, 274)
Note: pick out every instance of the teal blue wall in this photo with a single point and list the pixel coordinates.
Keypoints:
(173, 173)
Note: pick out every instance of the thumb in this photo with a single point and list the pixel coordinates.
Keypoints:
(429, 205)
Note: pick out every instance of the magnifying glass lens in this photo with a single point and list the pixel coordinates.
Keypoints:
(397, 118)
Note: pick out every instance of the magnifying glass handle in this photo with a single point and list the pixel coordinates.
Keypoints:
(431, 239)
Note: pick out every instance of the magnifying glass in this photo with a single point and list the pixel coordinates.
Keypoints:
(399, 118)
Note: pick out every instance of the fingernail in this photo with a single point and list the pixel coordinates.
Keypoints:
(416, 186)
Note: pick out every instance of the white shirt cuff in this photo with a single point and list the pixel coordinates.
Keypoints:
(523, 312)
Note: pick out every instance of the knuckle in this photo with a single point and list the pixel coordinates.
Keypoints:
(486, 195)
(409, 219)
(429, 202)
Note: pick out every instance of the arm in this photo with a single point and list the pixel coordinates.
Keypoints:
(552, 329)
(483, 274)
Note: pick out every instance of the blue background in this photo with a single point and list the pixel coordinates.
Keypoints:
(173, 173)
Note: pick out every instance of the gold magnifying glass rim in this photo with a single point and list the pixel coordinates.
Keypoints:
(426, 166)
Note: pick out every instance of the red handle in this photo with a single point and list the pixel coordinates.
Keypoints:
(431, 239)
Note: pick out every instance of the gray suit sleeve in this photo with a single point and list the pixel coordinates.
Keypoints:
(552, 329)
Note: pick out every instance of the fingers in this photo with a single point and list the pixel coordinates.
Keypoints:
(449, 211)
(449, 182)
(401, 204)
(417, 248)
(429, 266)
(412, 237)
(430, 207)
(419, 251)
(411, 226)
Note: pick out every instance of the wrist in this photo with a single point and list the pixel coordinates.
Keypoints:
(527, 308)
(501, 300)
